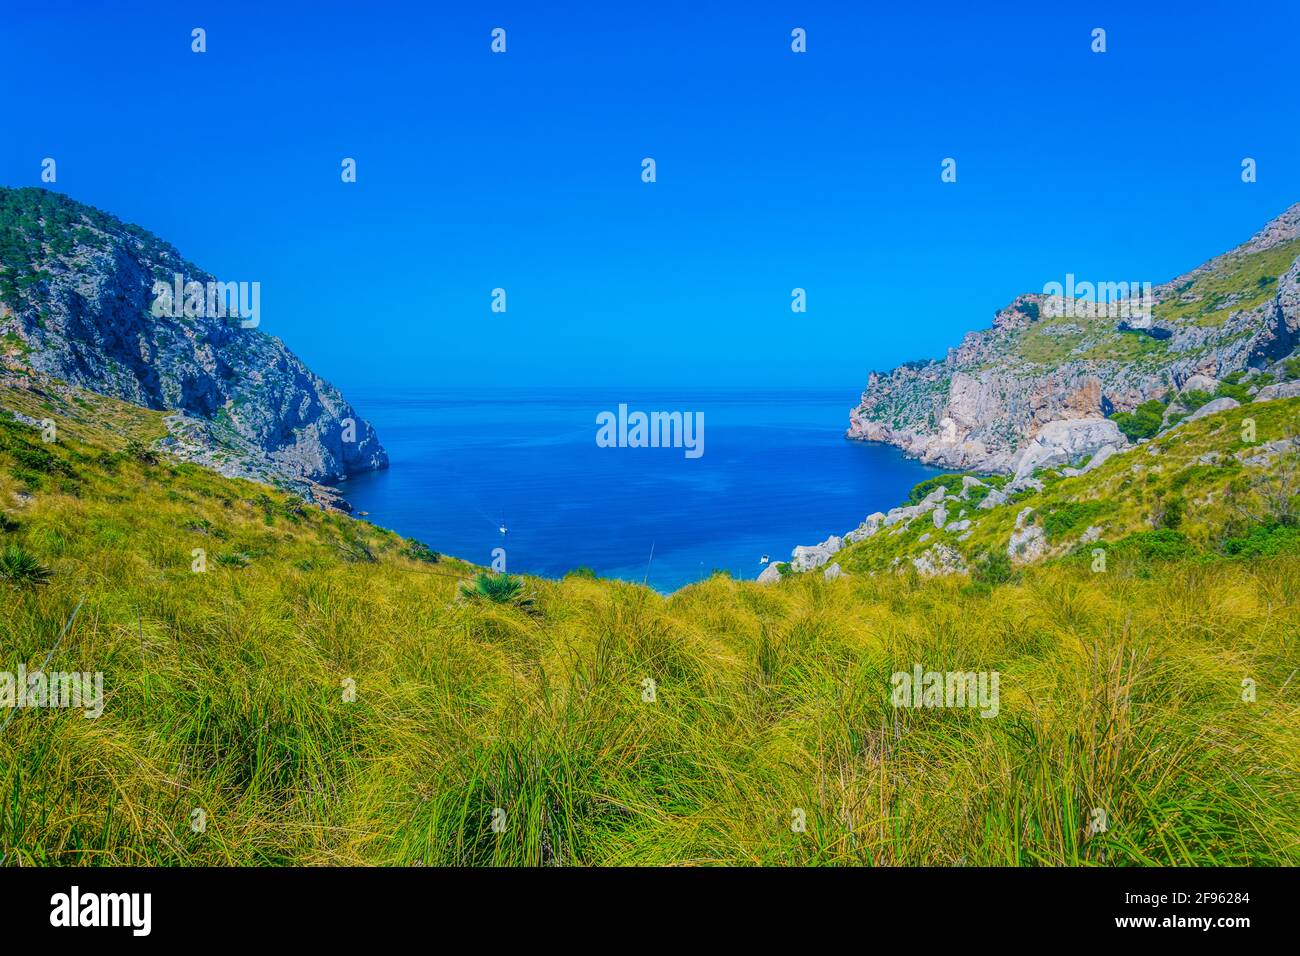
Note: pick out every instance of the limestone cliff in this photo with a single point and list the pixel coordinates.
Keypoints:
(78, 304)
(1050, 359)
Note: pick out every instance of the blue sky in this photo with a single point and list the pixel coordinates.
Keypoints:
(775, 170)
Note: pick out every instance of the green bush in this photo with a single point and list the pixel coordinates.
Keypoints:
(1143, 422)
(1066, 518)
(1264, 541)
(1162, 544)
(498, 588)
(992, 568)
(1173, 510)
(21, 569)
(420, 551)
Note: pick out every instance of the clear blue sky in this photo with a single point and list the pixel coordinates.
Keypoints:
(775, 170)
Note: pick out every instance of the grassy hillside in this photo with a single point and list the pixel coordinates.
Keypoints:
(1198, 491)
(225, 690)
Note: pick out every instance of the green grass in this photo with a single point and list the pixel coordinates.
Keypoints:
(1208, 300)
(336, 699)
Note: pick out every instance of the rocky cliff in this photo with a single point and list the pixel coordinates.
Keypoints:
(80, 304)
(1056, 358)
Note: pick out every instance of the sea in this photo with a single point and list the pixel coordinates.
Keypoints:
(476, 470)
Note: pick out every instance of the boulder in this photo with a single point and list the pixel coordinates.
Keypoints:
(1209, 408)
(807, 557)
(1281, 390)
(1199, 383)
(865, 530)
(1066, 441)
(832, 572)
(939, 559)
(771, 574)
(1028, 542)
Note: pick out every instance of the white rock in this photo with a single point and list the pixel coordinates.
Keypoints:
(807, 557)
(1199, 383)
(832, 572)
(865, 530)
(1281, 390)
(1209, 408)
(1066, 441)
(770, 575)
(939, 559)
(1027, 543)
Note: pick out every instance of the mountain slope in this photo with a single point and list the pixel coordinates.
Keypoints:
(981, 406)
(226, 691)
(76, 306)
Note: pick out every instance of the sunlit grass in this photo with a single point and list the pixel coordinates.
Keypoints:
(602, 723)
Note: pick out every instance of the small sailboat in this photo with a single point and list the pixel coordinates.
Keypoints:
(503, 528)
(764, 559)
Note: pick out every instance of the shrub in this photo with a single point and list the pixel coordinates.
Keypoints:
(1066, 518)
(419, 551)
(1264, 541)
(1233, 390)
(1143, 422)
(1162, 544)
(21, 569)
(1172, 510)
(992, 568)
(498, 588)
(141, 452)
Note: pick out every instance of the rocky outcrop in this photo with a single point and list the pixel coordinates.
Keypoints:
(939, 559)
(1209, 408)
(1281, 390)
(80, 298)
(1028, 541)
(1065, 442)
(805, 558)
(982, 404)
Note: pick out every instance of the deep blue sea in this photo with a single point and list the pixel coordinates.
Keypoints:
(776, 471)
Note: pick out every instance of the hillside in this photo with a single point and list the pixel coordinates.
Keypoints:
(1233, 321)
(526, 700)
(78, 307)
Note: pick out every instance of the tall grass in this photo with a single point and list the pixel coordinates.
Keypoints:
(606, 724)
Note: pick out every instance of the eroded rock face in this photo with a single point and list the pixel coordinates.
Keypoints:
(89, 321)
(1028, 541)
(986, 400)
(1064, 442)
(1281, 390)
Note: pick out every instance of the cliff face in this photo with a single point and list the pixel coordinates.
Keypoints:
(77, 303)
(1046, 360)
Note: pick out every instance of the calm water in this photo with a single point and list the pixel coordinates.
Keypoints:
(776, 472)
